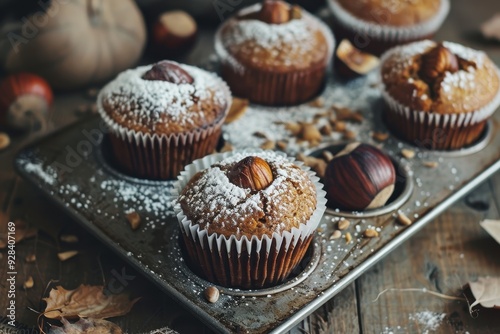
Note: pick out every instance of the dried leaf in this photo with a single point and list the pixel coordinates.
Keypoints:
(63, 256)
(86, 301)
(486, 290)
(86, 326)
(492, 227)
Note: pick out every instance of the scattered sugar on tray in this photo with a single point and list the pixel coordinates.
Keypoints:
(46, 173)
(430, 321)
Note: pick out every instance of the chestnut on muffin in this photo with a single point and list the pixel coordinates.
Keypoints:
(274, 53)
(440, 95)
(162, 117)
(247, 219)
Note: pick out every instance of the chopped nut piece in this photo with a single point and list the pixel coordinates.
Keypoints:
(430, 164)
(134, 219)
(268, 145)
(295, 12)
(346, 114)
(371, 233)
(327, 155)
(260, 134)
(237, 110)
(343, 224)
(403, 219)
(335, 235)
(310, 133)
(339, 126)
(357, 117)
(408, 154)
(293, 127)
(212, 294)
(348, 237)
(63, 256)
(227, 147)
(326, 130)
(380, 136)
(4, 140)
(28, 284)
(69, 238)
(281, 145)
(30, 258)
(348, 134)
(319, 102)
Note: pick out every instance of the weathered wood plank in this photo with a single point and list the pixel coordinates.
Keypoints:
(443, 257)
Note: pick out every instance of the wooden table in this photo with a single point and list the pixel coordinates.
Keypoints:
(443, 257)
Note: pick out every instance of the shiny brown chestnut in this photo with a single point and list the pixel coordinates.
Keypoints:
(168, 71)
(252, 173)
(359, 177)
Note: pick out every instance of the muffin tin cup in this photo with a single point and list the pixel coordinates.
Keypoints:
(269, 87)
(245, 263)
(437, 131)
(161, 157)
(376, 38)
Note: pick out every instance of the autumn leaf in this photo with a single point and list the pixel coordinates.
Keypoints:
(486, 290)
(492, 227)
(84, 326)
(86, 302)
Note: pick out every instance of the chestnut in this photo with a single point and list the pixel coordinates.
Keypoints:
(359, 177)
(351, 62)
(173, 33)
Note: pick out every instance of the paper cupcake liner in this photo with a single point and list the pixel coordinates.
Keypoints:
(437, 131)
(161, 157)
(274, 88)
(376, 38)
(245, 263)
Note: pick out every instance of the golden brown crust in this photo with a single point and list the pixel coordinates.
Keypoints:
(392, 13)
(471, 88)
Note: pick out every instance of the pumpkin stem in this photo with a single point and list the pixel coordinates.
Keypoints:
(94, 9)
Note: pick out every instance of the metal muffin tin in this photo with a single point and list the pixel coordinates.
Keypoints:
(98, 196)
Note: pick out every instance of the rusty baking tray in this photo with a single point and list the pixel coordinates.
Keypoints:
(71, 168)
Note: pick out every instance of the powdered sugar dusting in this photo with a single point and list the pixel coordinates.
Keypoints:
(430, 321)
(48, 175)
(142, 102)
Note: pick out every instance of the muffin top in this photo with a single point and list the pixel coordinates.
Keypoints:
(249, 196)
(399, 13)
(444, 78)
(275, 36)
(165, 98)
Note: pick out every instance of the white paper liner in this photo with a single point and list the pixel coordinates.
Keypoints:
(226, 58)
(155, 146)
(386, 32)
(286, 239)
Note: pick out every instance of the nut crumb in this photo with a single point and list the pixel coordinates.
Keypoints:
(335, 235)
(4, 140)
(343, 224)
(371, 233)
(318, 102)
(268, 145)
(63, 256)
(403, 219)
(348, 237)
(281, 145)
(326, 130)
(29, 283)
(134, 219)
(260, 134)
(339, 126)
(430, 164)
(212, 294)
(380, 136)
(349, 134)
(407, 153)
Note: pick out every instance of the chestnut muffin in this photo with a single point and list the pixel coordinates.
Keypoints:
(162, 117)
(274, 53)
(375, 26)
(440, 96)
(247, 218)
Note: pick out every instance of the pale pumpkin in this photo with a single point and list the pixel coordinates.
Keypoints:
(75, 43)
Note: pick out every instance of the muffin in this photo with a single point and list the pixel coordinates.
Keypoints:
(440, 96)
(375, 26)
(248, 218)
(162, 117)
(274, 53)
